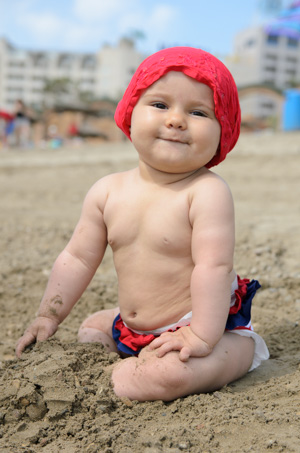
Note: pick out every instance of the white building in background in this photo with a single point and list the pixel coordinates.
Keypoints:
(23, 73)
(263, 56)
(116, 66)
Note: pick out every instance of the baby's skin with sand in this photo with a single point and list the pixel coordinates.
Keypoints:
(170, 225)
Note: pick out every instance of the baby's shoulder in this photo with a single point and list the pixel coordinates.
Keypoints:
(208, 190)
(112, 181)
(208, 180)
(105, 186)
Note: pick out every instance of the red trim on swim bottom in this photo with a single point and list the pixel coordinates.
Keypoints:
(134, 341)
(240, 294)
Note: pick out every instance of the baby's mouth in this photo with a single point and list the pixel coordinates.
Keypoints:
(175, 140)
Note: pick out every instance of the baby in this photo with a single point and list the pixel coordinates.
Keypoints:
(183, 323)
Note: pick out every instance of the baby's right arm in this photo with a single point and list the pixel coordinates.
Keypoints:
(72, 270)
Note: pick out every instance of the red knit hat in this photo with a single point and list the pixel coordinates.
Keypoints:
(201, 66)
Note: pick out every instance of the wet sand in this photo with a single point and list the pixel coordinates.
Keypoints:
(58, 397)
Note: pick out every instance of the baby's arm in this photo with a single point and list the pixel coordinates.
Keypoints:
(212, 220)
(72, 270)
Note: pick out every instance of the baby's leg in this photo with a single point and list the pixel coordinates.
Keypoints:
(150, 378)
(97, 328)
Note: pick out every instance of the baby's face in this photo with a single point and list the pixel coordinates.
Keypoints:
(173, 125)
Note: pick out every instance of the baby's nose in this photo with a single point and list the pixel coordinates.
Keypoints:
(176, 119)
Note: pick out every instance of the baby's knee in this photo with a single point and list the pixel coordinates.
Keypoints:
(85, 330)
(149, 378)
(101, 320)
(88, 323)
(87, 334)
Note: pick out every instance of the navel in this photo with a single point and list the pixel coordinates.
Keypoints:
(132, 315)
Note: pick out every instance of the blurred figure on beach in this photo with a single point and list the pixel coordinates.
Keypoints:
(2, 132)
(6, 127)
(22, 125)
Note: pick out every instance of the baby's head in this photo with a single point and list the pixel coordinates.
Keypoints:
(204, 68)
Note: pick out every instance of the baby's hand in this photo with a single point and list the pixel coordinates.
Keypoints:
(183, 340)
(41, 329)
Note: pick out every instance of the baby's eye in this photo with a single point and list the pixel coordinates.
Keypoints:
(199, 113)
(159, 105)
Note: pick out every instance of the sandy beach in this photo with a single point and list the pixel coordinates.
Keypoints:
(58, 398)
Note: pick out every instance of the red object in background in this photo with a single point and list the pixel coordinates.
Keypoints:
(73, 130)
(6, 116)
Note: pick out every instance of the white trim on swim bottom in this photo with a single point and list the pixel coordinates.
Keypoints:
(261, 351)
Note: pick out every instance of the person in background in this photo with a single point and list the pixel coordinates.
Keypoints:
(22, 125)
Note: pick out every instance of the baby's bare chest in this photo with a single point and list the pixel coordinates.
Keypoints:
(155, 220)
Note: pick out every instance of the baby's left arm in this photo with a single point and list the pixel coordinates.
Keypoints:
(213, 238)
(212, 220)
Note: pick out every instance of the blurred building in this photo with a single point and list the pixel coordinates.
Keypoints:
(115, 68)
(266, 62)
(40, 78)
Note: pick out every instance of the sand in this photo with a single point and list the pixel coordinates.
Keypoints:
(58, 398)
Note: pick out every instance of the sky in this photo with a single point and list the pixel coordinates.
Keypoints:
(86, 25)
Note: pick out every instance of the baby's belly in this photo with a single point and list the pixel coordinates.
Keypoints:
(156, 304)
(144, 319)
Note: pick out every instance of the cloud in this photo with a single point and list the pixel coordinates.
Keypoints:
(42, 25)
(51, 30)
(162, 17)
(84, 25)
(154, 21)
(95, 10)
(83, 38)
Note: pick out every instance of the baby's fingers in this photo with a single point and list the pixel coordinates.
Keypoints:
(43, 333)
(168, 346)
(159, 341)
(27, 339)
(184, 354)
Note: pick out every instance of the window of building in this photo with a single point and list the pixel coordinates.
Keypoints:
(14, 89)
(88, 81)
(269, 81)
(267, 105)
(291, 72)
(15, 77)
(270, 68)
(292, 42)
(291, 59)
(250, 42)
(88, 62)
(272, 39)
(271, 57)
(16, 64)
(65, 61)
(38, 78)
(40, 61)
